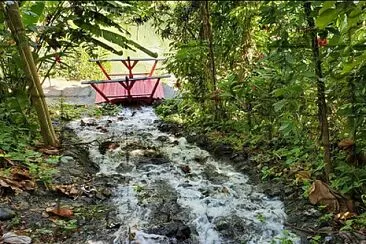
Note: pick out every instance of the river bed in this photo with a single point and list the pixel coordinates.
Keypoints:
(174, 192)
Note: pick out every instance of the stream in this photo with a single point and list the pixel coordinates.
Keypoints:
(172, 191)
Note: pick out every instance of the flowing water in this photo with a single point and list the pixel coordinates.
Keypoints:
(175, 192)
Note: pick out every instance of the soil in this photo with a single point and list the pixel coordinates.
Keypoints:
(93, 213)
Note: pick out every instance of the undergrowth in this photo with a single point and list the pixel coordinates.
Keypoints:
(297, 161)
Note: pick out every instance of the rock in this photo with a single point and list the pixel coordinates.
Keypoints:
(107, 146)
(185, 168)
(66, 159)
(88, 122)
(12, 238)
(154, 161)
(6, 214)
(100, 196)
(210, 172)
(107, 192)
(163, 138)
(124, 167)
(224, 149)
(201, 159)
(174, 229)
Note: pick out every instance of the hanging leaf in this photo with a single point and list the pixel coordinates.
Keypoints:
(31, 16)
(113, 37)
(326, 18)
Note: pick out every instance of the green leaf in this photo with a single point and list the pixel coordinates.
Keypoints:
(279, 105)
(31, 16)
(327, 5)
(113, 37)
(105, 46)
(326, 17)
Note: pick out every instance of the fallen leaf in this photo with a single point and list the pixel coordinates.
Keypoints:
(69, 190)
(302, 175)
(345, 144)
(49, 151)
(320, 193)
(61, 212)
(20, 174)
(345, 215)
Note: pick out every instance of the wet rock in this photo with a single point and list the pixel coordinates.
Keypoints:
(6, 213)
(235, 228)
(88, 122)
(223, 149)
(170, 128)
(185, 168)
(124, 167)
(154, 161)
(239, 158)
(106, 146)
(177, 230)
(107, 192)
(12, 238)
(66, 159)
(210, 172)
(163, 138)
(201, 159)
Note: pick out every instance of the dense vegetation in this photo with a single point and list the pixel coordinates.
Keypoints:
(285, 79)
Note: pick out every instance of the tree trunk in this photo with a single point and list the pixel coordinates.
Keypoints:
(16, 26)
(322, 106)
(207, 34)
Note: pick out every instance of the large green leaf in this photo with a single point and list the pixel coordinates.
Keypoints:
(32, 13)
(326, 17)
(104, 45)
(113, 37)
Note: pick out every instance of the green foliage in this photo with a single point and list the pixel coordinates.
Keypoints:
(67, 111)
(84, 70)
(66, 225)
(267, 80)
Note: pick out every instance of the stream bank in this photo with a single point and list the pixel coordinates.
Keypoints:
(303, 218)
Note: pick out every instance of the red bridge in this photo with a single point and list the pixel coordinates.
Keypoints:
(130, 87)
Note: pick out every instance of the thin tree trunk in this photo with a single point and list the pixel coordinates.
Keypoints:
(207, 33)
(209, 38)
(322, 106)
(16, 26)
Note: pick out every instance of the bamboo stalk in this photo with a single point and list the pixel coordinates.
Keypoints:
(16, 26)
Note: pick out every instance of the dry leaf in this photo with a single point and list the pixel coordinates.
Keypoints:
(20, 174)
(302, 176)
(49, 151)
(69, 190)
(345, 215)
(321, 194)
(345, 144)
(61, 212)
